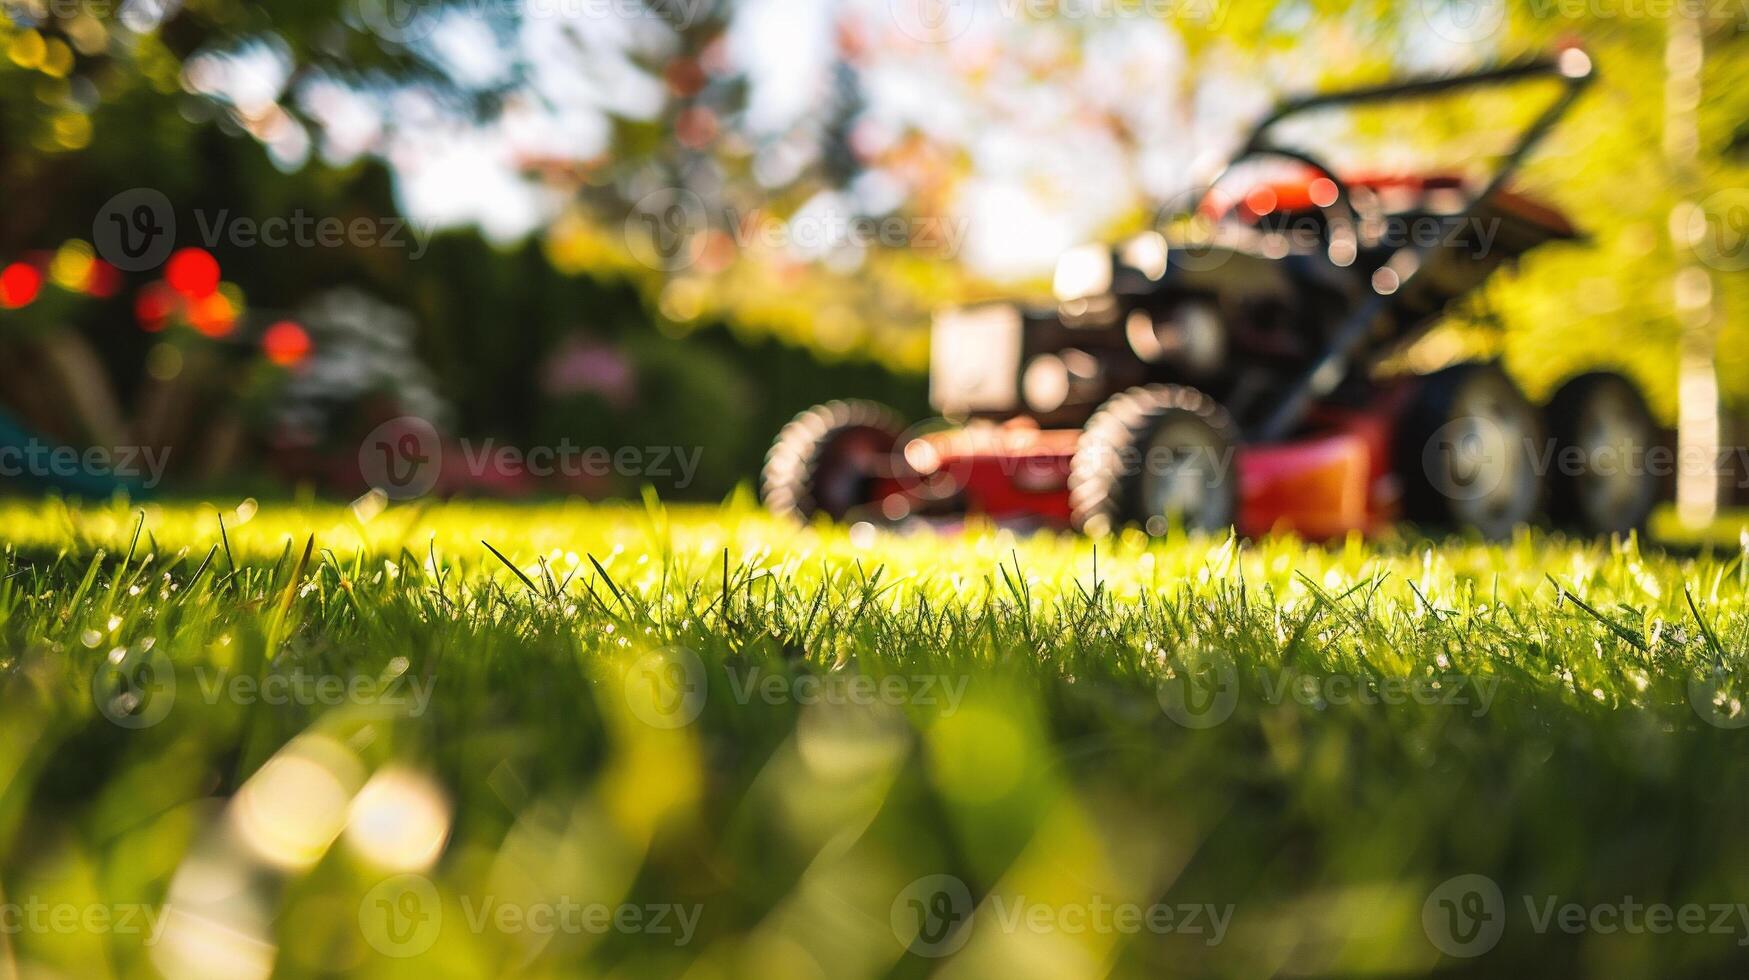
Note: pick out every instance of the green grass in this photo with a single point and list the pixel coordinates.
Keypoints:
(774, 732)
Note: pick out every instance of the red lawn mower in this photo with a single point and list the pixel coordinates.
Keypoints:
(1226, 373)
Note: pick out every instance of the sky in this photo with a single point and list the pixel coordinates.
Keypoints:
(1030, 104)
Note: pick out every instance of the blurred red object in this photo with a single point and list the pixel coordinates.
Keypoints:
(153, 306)
(19, 285)
(103, 281)
(193, 272)
(214, 315)
(286, 344)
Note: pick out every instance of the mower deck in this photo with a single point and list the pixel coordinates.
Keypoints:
(1320, 487)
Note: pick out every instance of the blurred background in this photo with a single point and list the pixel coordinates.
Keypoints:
(253, 231)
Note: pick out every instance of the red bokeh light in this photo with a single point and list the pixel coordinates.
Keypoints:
(153, 306)
(103, 281)
(194, 273)
(286, 344)
(19, 285)
(213, 315)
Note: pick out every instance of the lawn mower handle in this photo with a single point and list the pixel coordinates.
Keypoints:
(1572, 66)
(1541, 66)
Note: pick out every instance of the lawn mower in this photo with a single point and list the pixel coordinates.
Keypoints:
(1224, 370)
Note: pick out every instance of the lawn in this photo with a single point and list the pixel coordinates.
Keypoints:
(469, 739)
